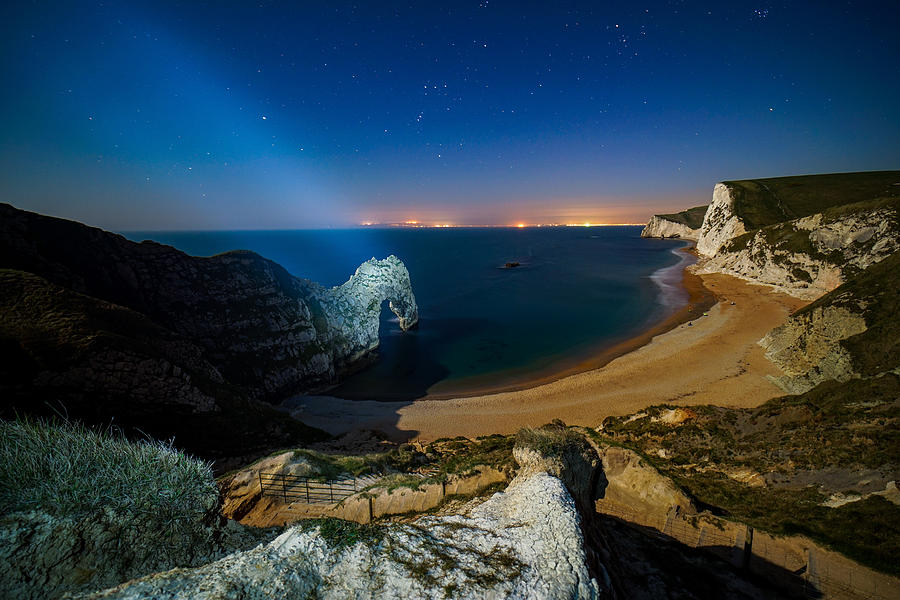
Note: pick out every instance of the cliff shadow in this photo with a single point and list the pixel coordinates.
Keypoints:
(646, 564)
(404, 366)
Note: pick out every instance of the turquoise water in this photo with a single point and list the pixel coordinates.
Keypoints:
(577, 289)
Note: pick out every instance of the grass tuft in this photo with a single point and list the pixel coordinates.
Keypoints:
(552, 440)
(69, 471)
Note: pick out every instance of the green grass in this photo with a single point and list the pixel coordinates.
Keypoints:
(692, 217)
(784, 237)
(345, 534)
(460, 457)
(70, 471)
(553, 440)
(332, 466)
(762, 202)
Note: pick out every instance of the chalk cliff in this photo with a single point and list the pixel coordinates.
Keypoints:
(684, 225)
(721, 222)
(801, 235)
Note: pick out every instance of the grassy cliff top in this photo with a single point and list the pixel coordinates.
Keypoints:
(692, 217)
(762, 202)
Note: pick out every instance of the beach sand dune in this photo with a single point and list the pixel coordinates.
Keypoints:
(715, 360)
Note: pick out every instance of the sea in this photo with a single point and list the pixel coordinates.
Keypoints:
(576, 291)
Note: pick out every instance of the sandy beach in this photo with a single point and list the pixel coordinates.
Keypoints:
(714, 360)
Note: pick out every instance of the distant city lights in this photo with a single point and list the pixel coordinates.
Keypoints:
(438, 225)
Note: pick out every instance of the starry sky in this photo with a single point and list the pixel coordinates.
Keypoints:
(256, 115)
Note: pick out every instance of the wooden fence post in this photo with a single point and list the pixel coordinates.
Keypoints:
(284, 489)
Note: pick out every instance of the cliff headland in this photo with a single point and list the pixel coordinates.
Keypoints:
(100, 328)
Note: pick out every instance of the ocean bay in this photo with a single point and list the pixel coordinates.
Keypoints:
(576, 290)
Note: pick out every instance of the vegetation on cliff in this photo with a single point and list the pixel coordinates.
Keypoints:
(874, 294)
(776, 467)
(762, 202)
(69, 470)
(82, 509)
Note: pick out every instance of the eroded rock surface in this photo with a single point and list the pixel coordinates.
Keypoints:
(811, 256)
(685, 224)
(659, 227)
(801, 235)
(525, 542)
(721, 222)
(807, 348)
(846, 334)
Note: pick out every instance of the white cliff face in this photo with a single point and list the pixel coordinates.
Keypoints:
(659, 227)
(807, 348)
(720, 224)
(809, 257)
(525, 542)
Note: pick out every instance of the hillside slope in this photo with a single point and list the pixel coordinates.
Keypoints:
(848, 333)
(96, 327)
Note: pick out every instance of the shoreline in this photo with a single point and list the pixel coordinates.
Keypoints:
(716, 361)
(699, 299)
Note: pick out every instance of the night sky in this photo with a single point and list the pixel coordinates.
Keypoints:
(224, 115)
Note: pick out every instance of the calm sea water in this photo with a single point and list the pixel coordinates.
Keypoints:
(577, 290)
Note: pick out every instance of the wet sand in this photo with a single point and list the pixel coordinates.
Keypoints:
(715, 360)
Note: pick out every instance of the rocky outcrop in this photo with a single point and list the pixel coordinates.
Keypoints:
(522, 543)
(846, 334)
(260, 326)
(683, 225)
(811, 256)
(658, 227)
(352, 310)
(628, 481)
(721, 223)
(807, 348)
(108, 328)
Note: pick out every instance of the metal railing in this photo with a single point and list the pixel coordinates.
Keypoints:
(294, 488)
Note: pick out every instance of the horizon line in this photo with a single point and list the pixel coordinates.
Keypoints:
(384, 226)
